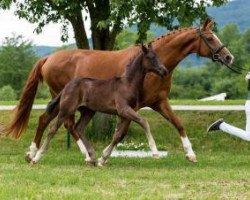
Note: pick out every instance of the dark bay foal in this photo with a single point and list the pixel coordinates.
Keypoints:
(118, 96)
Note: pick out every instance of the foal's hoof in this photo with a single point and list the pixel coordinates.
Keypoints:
(99, 164)
(28, 158)
(155, 155)
(91, 162)
(33, 162)
(191, 158)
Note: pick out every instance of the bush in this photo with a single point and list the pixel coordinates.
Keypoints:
(43, 92)
(7, 93)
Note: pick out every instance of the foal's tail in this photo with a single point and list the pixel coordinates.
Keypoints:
(22, 112)
(51, 106)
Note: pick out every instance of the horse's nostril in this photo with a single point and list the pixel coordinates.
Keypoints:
(228, 58)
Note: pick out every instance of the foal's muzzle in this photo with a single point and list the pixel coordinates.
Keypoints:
(162, 71)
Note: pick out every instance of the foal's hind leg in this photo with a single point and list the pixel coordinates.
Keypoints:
(166, 111)
(86, 116)
(47, 140)
(43, 122)
(121, 131)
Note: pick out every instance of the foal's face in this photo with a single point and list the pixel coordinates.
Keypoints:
(151, 62)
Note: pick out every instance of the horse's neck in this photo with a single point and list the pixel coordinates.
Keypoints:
(175, 46)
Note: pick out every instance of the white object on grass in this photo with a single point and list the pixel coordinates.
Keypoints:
(136, 153)
(218, 97)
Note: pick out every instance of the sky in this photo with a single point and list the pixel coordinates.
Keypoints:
(9, 23)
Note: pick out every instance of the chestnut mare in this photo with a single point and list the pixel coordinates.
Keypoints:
(117, 96)
(59, 68)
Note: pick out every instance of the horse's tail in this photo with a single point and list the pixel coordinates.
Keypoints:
(51, 106)
(22, 112)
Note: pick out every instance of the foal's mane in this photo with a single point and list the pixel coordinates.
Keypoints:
(132, 65)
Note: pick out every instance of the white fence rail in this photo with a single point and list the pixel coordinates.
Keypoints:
(175, 107)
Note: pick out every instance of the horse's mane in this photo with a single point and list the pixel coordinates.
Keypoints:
(168, 36)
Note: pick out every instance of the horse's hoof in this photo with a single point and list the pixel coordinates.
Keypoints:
(28, 158)
(191, 158)
(156, 155)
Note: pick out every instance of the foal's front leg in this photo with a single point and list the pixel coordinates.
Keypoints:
(164, 108)
(130, 114)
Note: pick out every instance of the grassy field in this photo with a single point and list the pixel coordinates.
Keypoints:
(221, 173)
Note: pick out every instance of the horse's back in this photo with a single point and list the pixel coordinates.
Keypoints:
(64, 65)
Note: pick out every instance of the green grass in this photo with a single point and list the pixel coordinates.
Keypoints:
(221, 173)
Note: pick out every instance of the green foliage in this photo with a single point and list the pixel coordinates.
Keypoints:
(7, 93)
(127, 38)
(102, 127)
(17, 58)
(108, 17)
(43, 92)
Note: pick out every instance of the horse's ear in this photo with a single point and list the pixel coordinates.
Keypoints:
(208, 24)
(150, 45)
(144, 49)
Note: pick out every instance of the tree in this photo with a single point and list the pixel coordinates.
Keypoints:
(108, 18)
(127, 38)
(7, 93)
(17, 58)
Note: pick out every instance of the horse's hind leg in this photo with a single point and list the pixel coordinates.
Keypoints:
(52, 132)
(70, 125)
(166, 111)
(119, 134)
(43, 122)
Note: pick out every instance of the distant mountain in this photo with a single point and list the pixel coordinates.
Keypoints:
(43, 50)
(236, 11)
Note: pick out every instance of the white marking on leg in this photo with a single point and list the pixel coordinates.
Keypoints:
(188, 148)
(151, 141)
(83, 150)
(41, 151)
(38, 156)
(33, 149)
(106, 152)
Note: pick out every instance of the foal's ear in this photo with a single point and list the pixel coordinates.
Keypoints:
(150, 45)
(144, 49)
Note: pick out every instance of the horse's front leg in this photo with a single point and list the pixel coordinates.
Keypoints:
(164, 108)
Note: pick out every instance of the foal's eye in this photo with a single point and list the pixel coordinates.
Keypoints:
(210, 39)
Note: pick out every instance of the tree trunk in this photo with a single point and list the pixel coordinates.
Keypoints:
(103, 39)
(79, 31)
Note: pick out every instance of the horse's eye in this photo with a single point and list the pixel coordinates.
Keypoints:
(210, 39)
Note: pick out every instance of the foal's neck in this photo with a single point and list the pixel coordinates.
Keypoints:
(135, 71)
